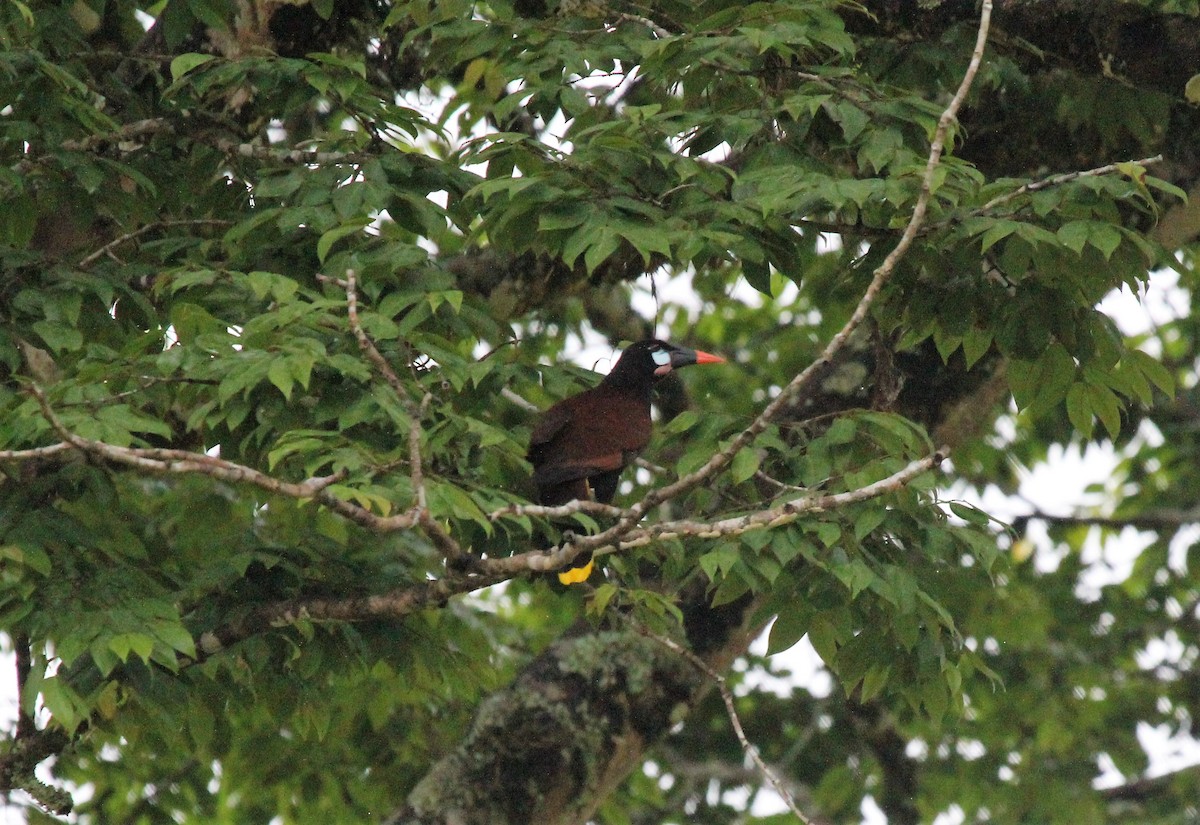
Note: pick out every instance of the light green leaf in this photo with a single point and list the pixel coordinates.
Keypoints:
(998, 232)
(1154, 371)
(868, 520)
(59, 337)
(280, 374)
(745, 464)
(717, 563)
(874, 681)
(1105, 404)
(328, 239)
(969, 514)
(1079, 410)
(187, 62)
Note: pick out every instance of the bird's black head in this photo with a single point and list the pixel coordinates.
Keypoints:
(645, 362)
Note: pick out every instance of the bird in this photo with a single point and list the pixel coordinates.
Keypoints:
(579, 446)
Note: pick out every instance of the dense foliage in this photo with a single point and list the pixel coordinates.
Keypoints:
(283, 282)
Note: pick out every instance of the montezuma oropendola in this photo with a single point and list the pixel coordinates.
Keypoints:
(579, 446)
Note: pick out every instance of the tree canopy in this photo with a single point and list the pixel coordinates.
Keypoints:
(284, 285)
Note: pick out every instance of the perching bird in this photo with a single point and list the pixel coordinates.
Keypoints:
(580, 445)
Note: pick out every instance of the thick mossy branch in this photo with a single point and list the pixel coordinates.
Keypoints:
(538, 750)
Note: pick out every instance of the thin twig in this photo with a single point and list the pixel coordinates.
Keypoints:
(451, 549)
(774, 482)
(287, 155)
(137, 233)
(1065, 177)
(1156, 519)
(592, 508)
(1037, 185)
(727, 697)
(416, 472)
(126, 132)
(647, 22)
(35, 453)
(164, 461)
(368, 346)
(650, 466)
(523, 403)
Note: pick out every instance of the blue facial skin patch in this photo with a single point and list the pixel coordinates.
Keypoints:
(661, 357)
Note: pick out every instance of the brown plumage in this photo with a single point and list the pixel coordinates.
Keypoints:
(579, 446)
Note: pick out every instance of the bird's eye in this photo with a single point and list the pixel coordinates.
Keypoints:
(661, 357)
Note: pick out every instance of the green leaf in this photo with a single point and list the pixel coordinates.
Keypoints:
(824, 637)
(280, 374)
(176, 637)
(970, 514)
(34, 558)
(1074, 235)
(123, 644)
(187, 62)
(1000, 230)
(842, 431)
(123, 417)
(855, 575)
(681, 423)
(1105, 238)
(1056, 372)
(1079, 410)
(976, 343)
(328, 239)
(874, 681)
(63, 703)
(1154, 371)
(829, 533)
(745, 464)
(869, 519)
(935, 698)
(717, 563)
(192, 320)
(606, 244)
(23, 10)
(1191, 89)
(59, 337)
(758, 275)
(1105, 404)
(789, 627)
(646, 240)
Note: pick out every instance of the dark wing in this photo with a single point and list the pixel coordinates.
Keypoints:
(560, 455)
(556, 472)
(549, 425)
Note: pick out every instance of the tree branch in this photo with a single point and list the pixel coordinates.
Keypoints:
(1148, 520)
(125, 132)
(288, 155)
(108, 248)
(604, 543)
(164, 461)
(451, 550)
(24, 656)
(394, 604)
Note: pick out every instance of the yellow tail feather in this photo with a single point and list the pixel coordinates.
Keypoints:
(577, 574)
